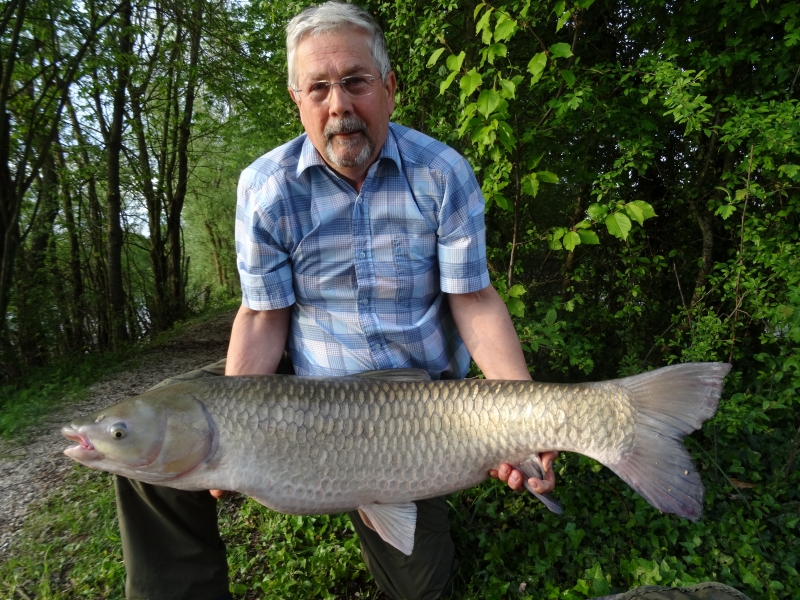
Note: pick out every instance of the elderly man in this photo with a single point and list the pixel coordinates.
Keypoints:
(360, 246)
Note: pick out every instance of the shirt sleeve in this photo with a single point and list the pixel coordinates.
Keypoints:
(462, 233)
(262, 257)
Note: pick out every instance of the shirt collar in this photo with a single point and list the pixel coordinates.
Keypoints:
(309, 157)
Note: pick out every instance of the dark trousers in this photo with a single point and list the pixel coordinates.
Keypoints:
(172, 548)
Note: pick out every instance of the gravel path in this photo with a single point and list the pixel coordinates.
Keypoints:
(29, 473)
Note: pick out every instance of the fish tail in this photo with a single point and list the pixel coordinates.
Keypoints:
(671, 402)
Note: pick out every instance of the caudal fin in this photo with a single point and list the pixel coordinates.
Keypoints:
(671, 403)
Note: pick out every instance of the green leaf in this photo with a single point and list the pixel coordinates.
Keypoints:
(484, 21)
(478, 9)
(561, 50)
(568, 77)
(551, 316)
(507, 88)
(647, 209)
(505, 29)
(454, 62)
(434, 57)
(588, 236)
(517, 290)
(563, 19)
(553, 242)
(750, 579)
(596, 211)
(547, 177)
(470, 82)
(536, 66)
(571, 240)
(618, 225)
(725, 211)
(516, 307)
(530, 185)
(585, 224)
(502, 201)
(498, 49)
(487, 102)
(446, 83)
(635, 213)
(506, 135)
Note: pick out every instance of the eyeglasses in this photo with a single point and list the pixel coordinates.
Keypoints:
(355, 86)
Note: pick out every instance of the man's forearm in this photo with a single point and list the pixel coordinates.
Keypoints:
(485, 326)
(257, 341)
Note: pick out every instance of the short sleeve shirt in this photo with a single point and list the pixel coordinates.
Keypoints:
(365, 272)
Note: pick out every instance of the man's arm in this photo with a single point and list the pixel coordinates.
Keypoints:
(485, 326)
(257, 341)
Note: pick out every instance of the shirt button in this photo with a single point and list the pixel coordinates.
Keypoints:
(358, 199)
(365, 301)
(362, 255)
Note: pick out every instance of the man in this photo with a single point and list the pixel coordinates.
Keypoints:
(360, 246)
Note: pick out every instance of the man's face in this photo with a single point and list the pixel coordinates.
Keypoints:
(348, 132)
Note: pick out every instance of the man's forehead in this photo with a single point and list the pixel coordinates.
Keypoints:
(347, 50)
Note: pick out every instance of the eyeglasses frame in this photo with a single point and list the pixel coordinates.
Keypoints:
(329, 84)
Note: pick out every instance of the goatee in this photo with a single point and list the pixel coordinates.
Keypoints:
(342, 152)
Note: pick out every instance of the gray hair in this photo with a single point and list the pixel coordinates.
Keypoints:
(330, 17)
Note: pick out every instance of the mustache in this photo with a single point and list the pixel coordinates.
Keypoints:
(344, 125)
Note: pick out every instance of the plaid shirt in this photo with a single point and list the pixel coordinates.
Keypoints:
(365, 272)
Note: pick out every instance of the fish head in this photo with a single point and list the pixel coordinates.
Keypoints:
(154, 437)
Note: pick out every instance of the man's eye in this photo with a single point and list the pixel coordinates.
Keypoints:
(318, 87)
(355, 84)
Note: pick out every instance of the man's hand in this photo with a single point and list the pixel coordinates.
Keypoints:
(220, 494)
(515, 478)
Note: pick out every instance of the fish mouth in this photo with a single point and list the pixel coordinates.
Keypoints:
(84, 450)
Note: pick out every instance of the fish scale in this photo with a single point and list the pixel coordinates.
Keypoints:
(378, 441)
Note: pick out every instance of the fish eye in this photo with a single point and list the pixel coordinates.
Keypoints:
(119, 431)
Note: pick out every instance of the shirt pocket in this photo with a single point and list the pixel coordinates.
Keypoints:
(416, 266)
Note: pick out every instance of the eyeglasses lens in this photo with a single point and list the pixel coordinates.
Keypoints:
(355, 86)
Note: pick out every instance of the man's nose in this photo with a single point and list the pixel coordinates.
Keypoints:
(339, 102)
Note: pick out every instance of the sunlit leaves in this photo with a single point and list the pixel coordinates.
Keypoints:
(536, 66)
(435, 57)
(561, 50)
(487, 102)
(505, 28)
(454, 61)
(470, 82)
(515, 306)
(618, 225)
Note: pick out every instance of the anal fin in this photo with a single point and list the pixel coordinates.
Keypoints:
(533, 468)
(395, 523)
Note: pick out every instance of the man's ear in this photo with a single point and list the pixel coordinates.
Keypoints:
(295, 99)
(390, 86)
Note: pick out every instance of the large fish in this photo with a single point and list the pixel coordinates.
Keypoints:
(377, 441)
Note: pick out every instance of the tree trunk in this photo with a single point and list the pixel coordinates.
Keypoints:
(177, 279)
(116, 290)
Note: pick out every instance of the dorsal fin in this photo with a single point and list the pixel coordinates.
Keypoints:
(396, 375)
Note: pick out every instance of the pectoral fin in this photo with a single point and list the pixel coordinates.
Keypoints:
(533, 468)
(395, 523)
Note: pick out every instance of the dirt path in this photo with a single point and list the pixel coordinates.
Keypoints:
(31, 472)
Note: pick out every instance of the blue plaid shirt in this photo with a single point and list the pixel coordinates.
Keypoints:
(365, 272)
